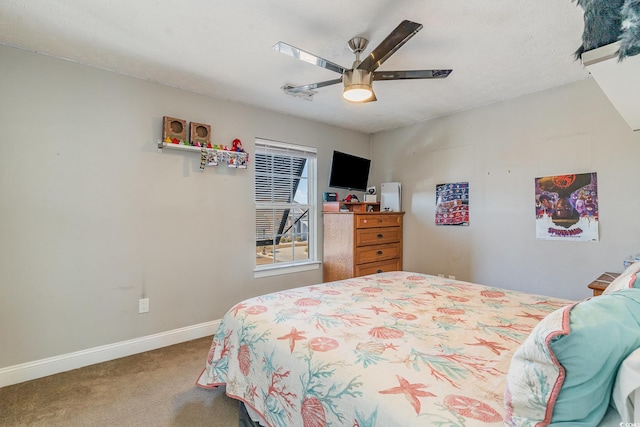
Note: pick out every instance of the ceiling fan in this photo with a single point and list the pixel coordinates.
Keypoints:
(358, 79)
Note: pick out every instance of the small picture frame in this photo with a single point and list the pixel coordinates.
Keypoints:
(241, 162)
(212, 158)
(233, 160)
(208, 157)
(174, 130)
(200, 134)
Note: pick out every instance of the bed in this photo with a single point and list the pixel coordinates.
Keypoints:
(408, 349)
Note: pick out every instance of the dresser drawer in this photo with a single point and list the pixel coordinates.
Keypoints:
(378, 267)
(377, 236)
(380, 220)
(375, 253)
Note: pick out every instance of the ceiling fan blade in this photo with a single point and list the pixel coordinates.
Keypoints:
(287, 49)
(411, 74)
(389, 45)
(294, 89)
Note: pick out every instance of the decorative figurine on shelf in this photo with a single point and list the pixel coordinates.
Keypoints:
(175, 141)
(237, 146)
(209, 145)
(197, 144)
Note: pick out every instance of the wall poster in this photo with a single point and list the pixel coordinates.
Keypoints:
(452, 204)
(567, 207)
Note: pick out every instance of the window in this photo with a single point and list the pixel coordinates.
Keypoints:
(285, 181)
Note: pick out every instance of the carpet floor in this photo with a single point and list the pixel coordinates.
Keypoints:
(155, 388)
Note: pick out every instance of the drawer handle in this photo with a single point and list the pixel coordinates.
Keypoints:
(380, 236)
(379, 252)
(379, 271)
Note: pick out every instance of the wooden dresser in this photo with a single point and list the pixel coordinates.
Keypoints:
(357, 242)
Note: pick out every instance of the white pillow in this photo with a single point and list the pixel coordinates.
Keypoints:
(626, 280)
(626, 389)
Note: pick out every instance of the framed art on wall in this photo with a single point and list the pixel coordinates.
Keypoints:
(200, 134)
(567, 207)
(452, 204)
(174, 130)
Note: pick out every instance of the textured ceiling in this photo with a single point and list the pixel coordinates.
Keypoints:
(498, 49)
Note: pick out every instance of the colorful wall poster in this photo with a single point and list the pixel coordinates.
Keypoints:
(452, 204)
(567, 207)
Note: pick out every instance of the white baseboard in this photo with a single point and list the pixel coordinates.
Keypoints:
(66, 362)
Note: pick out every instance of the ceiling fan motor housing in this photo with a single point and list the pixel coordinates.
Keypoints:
(356, 77)
(357, 81)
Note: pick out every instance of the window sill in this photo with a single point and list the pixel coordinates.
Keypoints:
(285, 269)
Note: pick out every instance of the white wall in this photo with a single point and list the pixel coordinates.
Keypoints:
(500, 149)
(92, 217)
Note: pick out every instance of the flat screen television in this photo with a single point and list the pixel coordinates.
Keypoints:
(349, 171)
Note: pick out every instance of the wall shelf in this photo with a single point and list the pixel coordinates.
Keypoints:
(211, 156)
(162, 144)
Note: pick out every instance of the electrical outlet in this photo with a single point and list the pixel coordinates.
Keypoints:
(143, 305)
(451, 276)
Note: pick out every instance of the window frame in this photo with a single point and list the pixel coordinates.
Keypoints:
(265, 146)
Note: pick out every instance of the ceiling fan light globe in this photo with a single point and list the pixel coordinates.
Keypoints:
(357, 93)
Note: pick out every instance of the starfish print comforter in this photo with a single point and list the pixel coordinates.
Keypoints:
(390, 349)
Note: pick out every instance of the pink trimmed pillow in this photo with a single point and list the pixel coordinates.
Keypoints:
(628, 279)
(535, 376)
(565, 370)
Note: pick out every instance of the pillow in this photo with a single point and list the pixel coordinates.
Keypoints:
(626, 389)
(564, 371)
(534, 377)
(628, 279)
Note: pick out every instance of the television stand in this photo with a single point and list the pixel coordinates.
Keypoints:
(351, 207)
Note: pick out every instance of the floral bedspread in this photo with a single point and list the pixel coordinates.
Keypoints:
(390, 349)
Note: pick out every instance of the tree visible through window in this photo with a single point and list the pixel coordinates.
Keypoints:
(284, 189)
